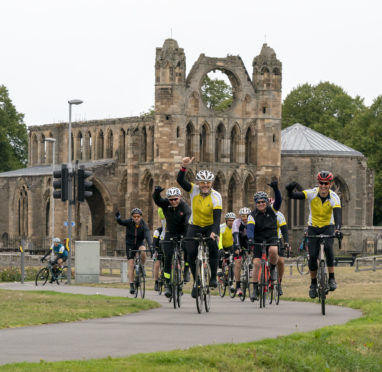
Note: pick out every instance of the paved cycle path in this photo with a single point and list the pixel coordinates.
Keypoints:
(165, 328)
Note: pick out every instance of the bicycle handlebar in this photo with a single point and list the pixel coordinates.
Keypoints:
(322, 236)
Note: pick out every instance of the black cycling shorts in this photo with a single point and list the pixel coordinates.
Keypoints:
(257, 250)
(131, 249)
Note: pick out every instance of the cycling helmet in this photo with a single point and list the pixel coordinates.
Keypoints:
(261, 195)
(230, 216)
(136, 211)
(56, 240)
(325, 176)
(205, 175)
(244, 210)
(173, 191)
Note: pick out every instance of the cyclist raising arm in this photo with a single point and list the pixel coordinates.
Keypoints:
(325, 217)
(206, 209)
(136, 232)
(262, 226)
(177, 213)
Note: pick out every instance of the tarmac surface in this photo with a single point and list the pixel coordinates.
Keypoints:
(162, 329)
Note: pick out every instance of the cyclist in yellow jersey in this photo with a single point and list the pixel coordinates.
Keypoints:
(325, 217)
(225, 240)
(206, 209)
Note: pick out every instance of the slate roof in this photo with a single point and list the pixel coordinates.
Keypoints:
(300, 140)
(45, 170)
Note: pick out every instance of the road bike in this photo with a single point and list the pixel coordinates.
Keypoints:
(303, 260)
(139, 274)
(246, 265)
(57, 274)
(202, 274)
(322, 272)
(267, 288)
(226, 279)
(176, 280)
(158, 255)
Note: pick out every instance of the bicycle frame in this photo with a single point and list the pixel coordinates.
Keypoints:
(322, 271)
(202, 273)
(264, 273)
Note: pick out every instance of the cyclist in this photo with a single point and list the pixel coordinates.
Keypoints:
(177, 213)
(282, 232)
(158, 235)
(325, 217)
(225, 240)
(262, 227)
(239, 231)
(206, 209)
(136, 232)
(61, 255)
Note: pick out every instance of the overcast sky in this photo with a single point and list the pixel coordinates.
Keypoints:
(103, 51)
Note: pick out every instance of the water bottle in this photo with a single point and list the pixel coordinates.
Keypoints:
(137, 269)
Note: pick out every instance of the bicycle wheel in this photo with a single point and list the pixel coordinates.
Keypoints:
(232, 294)
(302, 265)
(42, 276)
(223, 281)
(142, 282)
(173, 282)
(179, 284)
(322, 289)
(244, 283)
(198, 284)
(63, 276)
(207, 289)
(262, 285)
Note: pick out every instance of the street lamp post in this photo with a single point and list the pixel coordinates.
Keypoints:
(53, 142)
(70, 184)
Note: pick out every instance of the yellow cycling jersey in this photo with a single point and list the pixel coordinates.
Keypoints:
(321, 214)
(202, 207)
(281, 221)
(226, 238)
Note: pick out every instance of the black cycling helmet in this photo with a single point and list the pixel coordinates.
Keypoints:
(325, 176)
(136, 211)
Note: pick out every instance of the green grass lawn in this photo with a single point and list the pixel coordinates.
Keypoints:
(355, 346)
(19, 308)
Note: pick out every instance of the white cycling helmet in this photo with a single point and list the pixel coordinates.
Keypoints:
(230, 216)
(205, 175)
(56, 240)
(244, 210)
(173, 191)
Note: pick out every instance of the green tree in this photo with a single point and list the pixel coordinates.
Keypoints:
(326, 108)
(13, 135)
(216, 94)
(364, 134)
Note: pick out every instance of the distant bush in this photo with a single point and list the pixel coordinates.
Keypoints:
(13, 274)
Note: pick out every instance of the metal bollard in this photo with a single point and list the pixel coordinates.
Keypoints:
(22, 263)
(123, 271)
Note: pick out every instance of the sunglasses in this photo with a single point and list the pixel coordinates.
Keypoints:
(171, 200)
(261, 202)
(324, 183)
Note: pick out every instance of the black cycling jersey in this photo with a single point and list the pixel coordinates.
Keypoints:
(265, 224)
(176, 217)
(135, 233)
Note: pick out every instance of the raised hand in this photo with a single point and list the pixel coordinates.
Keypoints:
(187, 161)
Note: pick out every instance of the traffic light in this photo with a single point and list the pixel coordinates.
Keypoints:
(83, 188)
(61, 184)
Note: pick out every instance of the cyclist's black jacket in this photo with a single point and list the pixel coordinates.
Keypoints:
(135, 233)
(176, 218)
(265, 225)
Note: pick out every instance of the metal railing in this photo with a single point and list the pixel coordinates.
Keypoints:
(371, 262)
